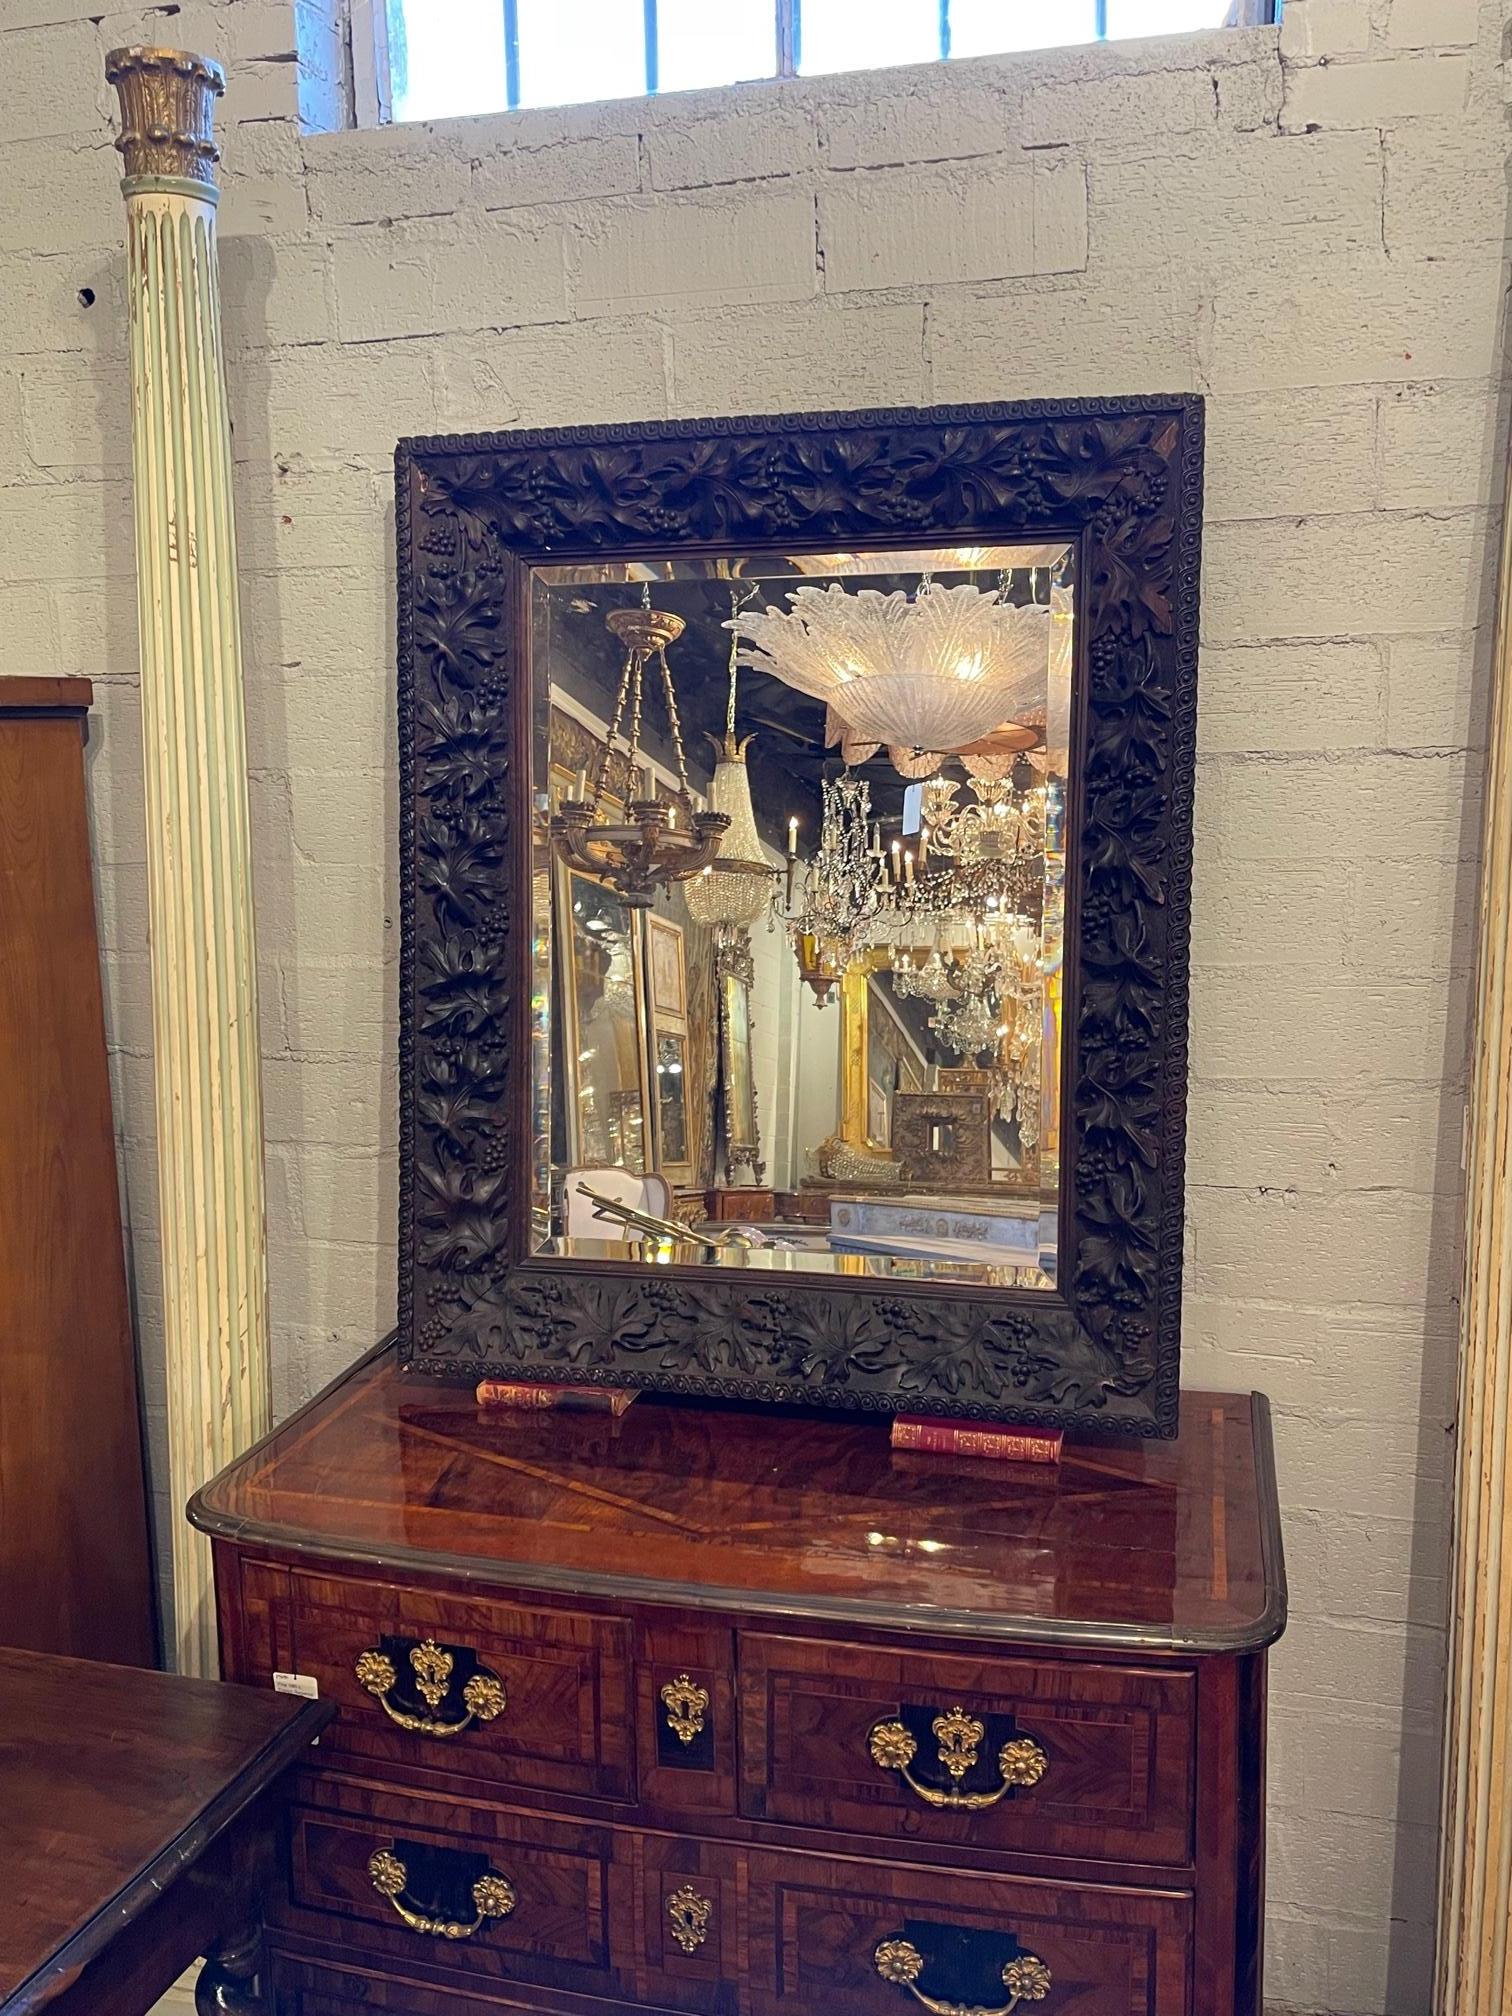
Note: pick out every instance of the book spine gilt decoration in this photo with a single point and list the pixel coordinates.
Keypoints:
(526, 1396)
(956, 1438)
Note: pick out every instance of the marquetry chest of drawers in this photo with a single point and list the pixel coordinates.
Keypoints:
(738, 1713)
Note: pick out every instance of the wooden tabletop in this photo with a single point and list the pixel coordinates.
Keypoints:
(113, 1782)
(1170, 1546)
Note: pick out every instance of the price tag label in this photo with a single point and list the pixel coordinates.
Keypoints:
(304, 1684)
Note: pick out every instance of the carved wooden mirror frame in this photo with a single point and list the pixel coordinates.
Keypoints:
(1122, 478)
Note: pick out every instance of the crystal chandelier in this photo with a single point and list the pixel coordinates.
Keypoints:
(844, 884)
(656, 843)
(737, 885)
(925, 673)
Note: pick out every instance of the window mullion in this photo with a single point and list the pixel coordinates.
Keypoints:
(653, 52)
(511, 53)
(789, 28)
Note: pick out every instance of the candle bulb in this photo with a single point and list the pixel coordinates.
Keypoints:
(582, 786)
(792, 839)
(908, 867)
(897, 861)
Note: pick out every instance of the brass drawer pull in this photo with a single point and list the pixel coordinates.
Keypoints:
(1027, 1979)
(690, 1915)
(492, 1896)
(686, 1704)
(483, 1697)
(1020, 1763)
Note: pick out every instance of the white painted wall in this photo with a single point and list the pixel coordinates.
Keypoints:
(1313, 234)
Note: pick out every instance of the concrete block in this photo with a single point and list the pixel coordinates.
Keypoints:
(1433, 24)
(325, 717)
(341, 818)
(1266, 914)
(349, 912)
(1145, 110)
(60, 197)
(1374, 93)
(1290, 697)
(1278, 454)
(29, 642)
(699, 251)
(1438, 447)
(54, 81)
(416, 279)
(1365, 574)
(1325, 28)
(305, 1360)
(572, 375)
(45, 528)
(1272, 195)
(1446, 188)
(560, 171)
(1048, 340)
(1438, 691)
(383, 173)
(892, 129)
(73, 301)
(323, 622)
(1399, 1137)
(337, 1287)
(95, 623)
(331, 401)
(76, 416)
(872, 356)
(274, 292)
(1348, 808)
(749, 140)
(264, 184)
(1381, 1251)
(339, 1103)
(340, 1007)
(308, 518)
(904, 230)
(1360, 319)
(1249, 97)
(1239, 1136)
(1413, 917)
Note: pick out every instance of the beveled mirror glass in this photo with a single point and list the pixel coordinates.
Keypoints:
(887, 733)
(795, 882)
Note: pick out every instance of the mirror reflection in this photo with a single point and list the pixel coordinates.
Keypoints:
(798, 871)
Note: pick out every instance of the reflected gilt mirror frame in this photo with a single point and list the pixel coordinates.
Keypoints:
(1119, 479)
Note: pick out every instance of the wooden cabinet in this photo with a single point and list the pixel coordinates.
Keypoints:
(734, 1714)
(75, 1571)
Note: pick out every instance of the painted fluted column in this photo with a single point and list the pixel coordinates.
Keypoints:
(204, 991)
(1475, 1888)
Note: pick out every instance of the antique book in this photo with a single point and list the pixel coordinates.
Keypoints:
(961, 1438)
(530, 1396)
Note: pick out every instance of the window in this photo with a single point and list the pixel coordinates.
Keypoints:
(447, 57)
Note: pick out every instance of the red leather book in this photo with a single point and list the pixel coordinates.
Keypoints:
(963, 1438)
(528, 1396)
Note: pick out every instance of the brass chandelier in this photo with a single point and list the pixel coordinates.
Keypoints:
(655, 843)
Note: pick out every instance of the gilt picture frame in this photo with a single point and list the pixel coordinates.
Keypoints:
(1122, 479)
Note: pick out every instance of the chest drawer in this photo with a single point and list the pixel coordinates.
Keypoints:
(502, 1694)
(1048, 1757)
(864, 1939)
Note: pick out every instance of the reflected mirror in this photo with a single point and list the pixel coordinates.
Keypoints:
(799, 851)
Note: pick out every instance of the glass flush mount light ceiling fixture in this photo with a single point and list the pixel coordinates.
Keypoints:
(929, 672)
(655, 843)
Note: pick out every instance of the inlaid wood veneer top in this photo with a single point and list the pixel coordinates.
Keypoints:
(112, 1782)
(1162, 1545)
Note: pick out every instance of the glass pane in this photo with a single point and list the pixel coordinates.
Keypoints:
(843, 959)
(1164, 17)
(861, 35)
(699, 44)
(573, 51)
(446, 58)
(992, 27)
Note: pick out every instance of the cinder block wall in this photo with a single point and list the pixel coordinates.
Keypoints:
(1310, 228)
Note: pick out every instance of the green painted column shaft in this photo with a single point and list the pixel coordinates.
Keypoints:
(204, 976)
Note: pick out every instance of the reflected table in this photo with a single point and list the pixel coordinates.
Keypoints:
(141, 1822)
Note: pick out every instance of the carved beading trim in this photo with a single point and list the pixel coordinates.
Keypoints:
(167, 113)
